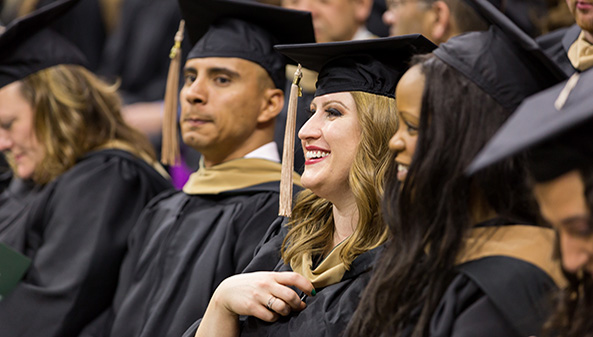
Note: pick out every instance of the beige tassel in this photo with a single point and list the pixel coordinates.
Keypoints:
(288, 152)
(170, 143)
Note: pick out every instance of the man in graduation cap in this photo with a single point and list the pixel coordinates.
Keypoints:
(555, 128)
(572, 47)
(188, 241)
(442, 19)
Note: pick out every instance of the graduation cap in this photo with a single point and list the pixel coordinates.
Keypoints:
(555, 125)
(247, 30)
(504, 61)
(28, 46)
(227, 28)
(374, 66)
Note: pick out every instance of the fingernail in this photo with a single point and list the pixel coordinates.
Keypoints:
(313, 292)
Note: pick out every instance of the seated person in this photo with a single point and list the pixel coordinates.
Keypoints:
(62, 128)
(572, 47)
(327, 248)
(554, 128)
(188, 241)
(466, 256)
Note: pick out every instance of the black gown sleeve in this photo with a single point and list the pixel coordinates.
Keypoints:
(76, 236)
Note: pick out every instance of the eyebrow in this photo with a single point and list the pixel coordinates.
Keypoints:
(324, 104)
(214, 71)
(575, 218)
(409, 117)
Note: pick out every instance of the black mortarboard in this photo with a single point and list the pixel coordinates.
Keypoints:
(373, 66)
(247, 30)
(28, 46)
(555, 124)
(504, 61)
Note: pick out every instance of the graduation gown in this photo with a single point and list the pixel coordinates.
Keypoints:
(184, 246)
(498, 292)
(14, 205)
(75, 233)
(327, 313)
(556, 45)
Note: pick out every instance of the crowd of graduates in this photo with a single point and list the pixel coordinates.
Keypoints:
(437, 182)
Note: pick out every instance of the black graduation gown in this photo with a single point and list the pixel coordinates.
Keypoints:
(76, 233)
(494, 296)
(184, 246)
(327, 313)
(14, 205)
(556, 45)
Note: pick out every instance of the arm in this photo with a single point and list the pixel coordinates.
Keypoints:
(250, 294)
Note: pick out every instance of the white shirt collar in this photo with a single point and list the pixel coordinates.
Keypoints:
(268, 151)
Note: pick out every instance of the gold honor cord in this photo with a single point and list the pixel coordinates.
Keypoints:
(286, 182)
(170, 144)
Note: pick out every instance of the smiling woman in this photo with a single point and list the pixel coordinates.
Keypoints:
(320, 259)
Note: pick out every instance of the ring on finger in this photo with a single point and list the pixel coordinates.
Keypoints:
(271, 302)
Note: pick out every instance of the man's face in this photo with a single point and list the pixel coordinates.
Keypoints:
(407, 17)
(562, 203)
(582, 10)
(333, 20)
(220, 104)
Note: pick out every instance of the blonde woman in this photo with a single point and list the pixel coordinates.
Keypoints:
(63, 130)
(313, 271)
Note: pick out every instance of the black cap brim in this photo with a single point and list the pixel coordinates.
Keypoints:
(288, 26)
(28, 46)
(373, 65)
(537, 120)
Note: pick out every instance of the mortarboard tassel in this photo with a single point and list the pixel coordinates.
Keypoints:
(563, 96)
(170, 144)
(288, 151)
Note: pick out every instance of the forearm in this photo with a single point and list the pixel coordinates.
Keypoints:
(218, 321)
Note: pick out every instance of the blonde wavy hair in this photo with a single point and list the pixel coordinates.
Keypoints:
(311, 228)
(74, 112)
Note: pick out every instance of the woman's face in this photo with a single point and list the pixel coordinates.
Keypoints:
(330, 139)
(408, 98)
(17, 136)
(562, 203)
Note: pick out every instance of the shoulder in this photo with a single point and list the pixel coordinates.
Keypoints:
(113, 164)
(515, 288)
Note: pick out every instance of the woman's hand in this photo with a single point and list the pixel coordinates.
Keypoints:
(265, 295)
(250, 294)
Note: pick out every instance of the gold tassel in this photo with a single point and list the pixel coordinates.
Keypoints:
(288, 152)
(170, 143)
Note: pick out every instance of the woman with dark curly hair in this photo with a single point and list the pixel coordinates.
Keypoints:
(61, 128)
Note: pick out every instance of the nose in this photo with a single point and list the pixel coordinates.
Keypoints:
(311, 129)
(397, 143)
(5, 141)
(389, 17)
(575, 253)
(196, 92)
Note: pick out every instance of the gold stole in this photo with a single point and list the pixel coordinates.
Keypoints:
(527, 243)
(580, 53)
(330, 270)
(233, 175)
